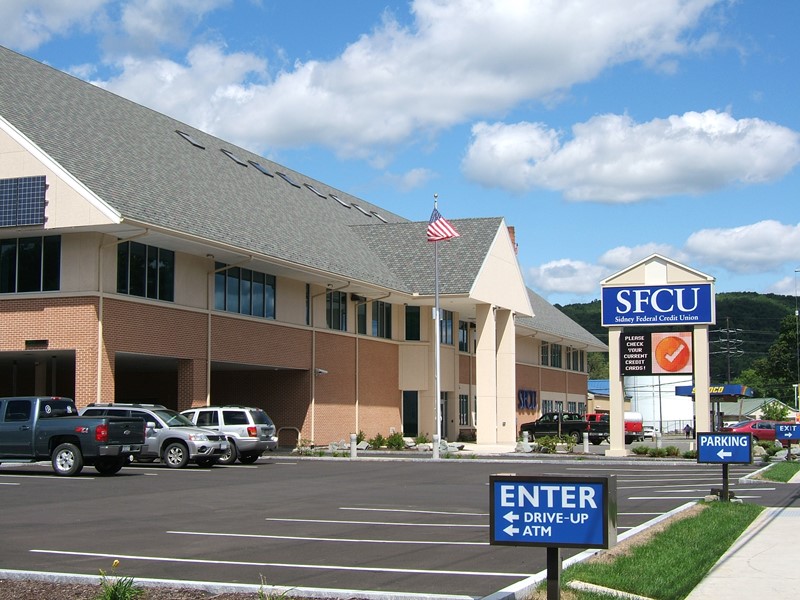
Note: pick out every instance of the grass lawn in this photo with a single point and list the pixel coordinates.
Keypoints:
(670, 563)
(781, 471)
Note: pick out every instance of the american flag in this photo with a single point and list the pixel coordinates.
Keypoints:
(439, 229)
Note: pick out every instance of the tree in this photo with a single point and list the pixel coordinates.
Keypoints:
(598, 365)
(775, 411)
(775, 374)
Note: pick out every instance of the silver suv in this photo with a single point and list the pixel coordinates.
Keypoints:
(249, 430)
(168, 435)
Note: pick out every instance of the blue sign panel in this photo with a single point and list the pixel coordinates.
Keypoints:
(725, 448)
(658, 305)
(785, 431)
(553, 511)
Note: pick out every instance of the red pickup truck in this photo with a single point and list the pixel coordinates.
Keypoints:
(633, 425)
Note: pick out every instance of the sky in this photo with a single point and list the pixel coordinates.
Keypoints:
(603, 132)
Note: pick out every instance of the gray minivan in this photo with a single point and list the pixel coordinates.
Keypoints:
(249, 430)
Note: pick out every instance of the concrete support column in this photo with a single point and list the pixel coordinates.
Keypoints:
(702, 379)
(486, 375)
(616, 392)
(506, 377)
(192, 389)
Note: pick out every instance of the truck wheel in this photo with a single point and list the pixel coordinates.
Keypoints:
(176, 455)
(597, 441)
(67, 460)
(576, 436)
(109, 466)
(248, 459)
(629, 439)
(229, 457)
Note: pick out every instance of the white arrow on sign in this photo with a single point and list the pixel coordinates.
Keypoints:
(511, 530)
(511, 517)
(787, 434)
(723, 455)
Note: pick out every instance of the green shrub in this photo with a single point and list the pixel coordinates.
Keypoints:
(690, 454)
(117, 588)
(396, 442)
(422, 438)
(672, 451)
(360, 436)
(378, 441)
(657, 452)
(640, 450)
(547, 443)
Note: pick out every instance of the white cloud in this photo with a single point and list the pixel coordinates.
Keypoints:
(396, 82)
(611, 158)
(762, 246)
(786, 286)
(623, 256)
(411, 179)
(567, 276)
(27, 24)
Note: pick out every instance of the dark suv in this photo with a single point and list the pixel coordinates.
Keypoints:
(249, 430)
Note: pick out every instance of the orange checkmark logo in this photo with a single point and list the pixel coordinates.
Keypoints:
(673, 354)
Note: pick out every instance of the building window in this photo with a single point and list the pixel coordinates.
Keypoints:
(547, 406)
(544, 356)
(446, 327)
(463, 336)
(361, 318)
(145, 271)
(30, 264)
(412, 323)
(382, 319)
(559, 406)
(575, 359)
(463, 409)
(244, 291)
(555, 355)
(572, 407)
(336, 310)
(581, 408)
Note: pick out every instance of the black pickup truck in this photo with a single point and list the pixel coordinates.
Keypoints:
(565, 424)
(49, 428)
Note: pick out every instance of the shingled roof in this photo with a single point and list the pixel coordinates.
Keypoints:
(556, 325)
(133, 159)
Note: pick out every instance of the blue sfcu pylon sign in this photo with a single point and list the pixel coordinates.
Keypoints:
(553, 512)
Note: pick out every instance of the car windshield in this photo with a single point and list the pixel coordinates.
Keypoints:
(741, 424)
(173, 419)
(260, 417)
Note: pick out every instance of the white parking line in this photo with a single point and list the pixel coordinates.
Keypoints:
(281, 565)
(325, 539)
(10, 483)
(374, 523)
(50, 477)
(424, 512)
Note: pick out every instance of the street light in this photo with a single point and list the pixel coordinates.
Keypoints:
(796, 339)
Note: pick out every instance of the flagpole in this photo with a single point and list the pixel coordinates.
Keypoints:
(437, 342)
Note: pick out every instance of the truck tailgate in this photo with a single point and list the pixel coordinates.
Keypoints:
(125, 430)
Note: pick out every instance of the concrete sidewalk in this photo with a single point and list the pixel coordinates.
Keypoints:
(762, 563)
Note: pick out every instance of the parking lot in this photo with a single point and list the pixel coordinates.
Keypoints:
(396, 526)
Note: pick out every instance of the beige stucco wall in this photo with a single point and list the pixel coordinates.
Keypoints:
(68, 204)
(500, 281)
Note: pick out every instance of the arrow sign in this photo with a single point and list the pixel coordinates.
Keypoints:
(722, 448)
(511, 517)
(787, 432)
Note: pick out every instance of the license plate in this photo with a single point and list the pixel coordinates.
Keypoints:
(126, 448)
(224, 446)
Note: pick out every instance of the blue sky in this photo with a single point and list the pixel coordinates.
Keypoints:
(602, 131)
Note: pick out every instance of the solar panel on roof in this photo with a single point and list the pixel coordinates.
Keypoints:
(233, 157)
(340, 201)
(288, 179)
(190, 139)
(261, 168)
(315, 190)
(22, 201)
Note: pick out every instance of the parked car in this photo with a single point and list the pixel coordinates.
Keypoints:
(34, 428)
(761, 429)
(649, 432)
(169, 435)
(249, 430)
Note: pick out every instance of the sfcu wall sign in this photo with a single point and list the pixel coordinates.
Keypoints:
(658, 305)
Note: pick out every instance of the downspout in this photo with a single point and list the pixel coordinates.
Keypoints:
(100, 307)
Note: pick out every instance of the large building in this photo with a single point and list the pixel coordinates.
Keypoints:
(142, 259)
